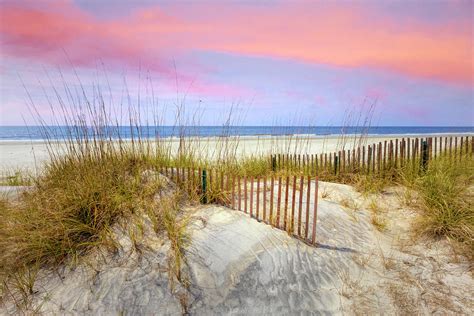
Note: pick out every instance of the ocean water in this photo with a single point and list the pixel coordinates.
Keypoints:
(58, 132)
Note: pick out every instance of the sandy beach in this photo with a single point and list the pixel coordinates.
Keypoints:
(236, 264)
(30, 155)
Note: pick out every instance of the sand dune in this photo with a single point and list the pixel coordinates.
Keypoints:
(237, 265)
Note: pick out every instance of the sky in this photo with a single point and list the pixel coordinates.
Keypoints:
(274, 62)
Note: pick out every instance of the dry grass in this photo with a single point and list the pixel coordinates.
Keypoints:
(71, 209)
(445, 197)
(376, 217)
(369, 184)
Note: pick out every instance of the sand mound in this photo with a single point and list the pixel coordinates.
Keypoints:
(238, 265)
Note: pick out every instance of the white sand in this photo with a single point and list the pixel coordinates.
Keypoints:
(237, 265)
(29, 155)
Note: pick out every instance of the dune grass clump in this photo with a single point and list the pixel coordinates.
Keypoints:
(445, 196)
(71, 208)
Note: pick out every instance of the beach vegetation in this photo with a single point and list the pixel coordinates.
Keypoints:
(445, 199)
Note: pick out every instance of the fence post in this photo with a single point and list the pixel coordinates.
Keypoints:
(204, 187)
(274, 163)
(424, 156)
(335, 164)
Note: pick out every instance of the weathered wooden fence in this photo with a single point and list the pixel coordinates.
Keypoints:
(378, 158)
(287, 203)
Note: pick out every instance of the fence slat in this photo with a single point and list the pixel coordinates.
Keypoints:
(396, 153)
(369, 156)
(258, 198)
(308, 200)
(264, 198)
(379, 154)
(233, 191)
(373, 158)
(315, 210)
(279, 203)
(450, 146)
(408, 149)
(300, 205)
(240, 193)
(285, 214)
(245, 194)
(272, 186)
(251, 196)
(293, 196)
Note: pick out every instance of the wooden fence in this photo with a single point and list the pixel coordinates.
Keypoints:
(287, 203)
(378, 158)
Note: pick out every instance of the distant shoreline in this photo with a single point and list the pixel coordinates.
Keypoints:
(58, 133)
(249, 137)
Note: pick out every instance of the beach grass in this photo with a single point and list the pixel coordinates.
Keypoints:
(445, 198)
(71, 208)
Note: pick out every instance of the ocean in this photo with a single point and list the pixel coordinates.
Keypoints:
(57, 132)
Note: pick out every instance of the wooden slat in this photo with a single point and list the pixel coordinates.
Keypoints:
(272, 183)
(258, 198)
(373, 158)
(227, 193)
(390, 154)
(369, 156)
(455, 147)
(450, 146)
(300, 205)
(379, 154)
(245, 194)
(278, 203)
(396, 153)
(342, 164)
(233, 192)
(325, 161)
(293, 201)
(251, 196)
(408, 149)
(308, 200)
(210, 183)
(239, 187)
(285, 221)
(264, 198)
(315, 211)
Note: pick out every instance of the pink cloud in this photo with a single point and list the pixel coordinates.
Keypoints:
(324, 34)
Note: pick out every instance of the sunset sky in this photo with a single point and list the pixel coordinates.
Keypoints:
(273, 59)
